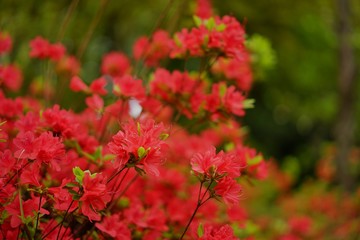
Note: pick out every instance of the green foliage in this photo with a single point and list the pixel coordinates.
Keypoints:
(262, 55)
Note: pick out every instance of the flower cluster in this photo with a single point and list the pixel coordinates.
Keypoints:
(121, 167)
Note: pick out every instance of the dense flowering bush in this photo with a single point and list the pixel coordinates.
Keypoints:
(148, 155)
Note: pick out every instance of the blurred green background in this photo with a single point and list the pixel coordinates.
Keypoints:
(296, 86)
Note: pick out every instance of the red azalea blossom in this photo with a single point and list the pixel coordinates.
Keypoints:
(95, 197)
(69, 65)
(229, 190)
(115, 64)
(128, 87)
(98, 86)
(63, 199)
(203, 9)
(39, 48)
(218, 233)
(76, 84)
(5, 43)
(11, 77)
(154, 49)
(28, 208)
(114, 227)
(139, 144)
(7, 162)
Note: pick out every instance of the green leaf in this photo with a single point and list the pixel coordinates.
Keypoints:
(254, 161)
(141, 152)
(71, 185)
(116, 89)
(220, 27)
(229, 146)
(248, 103)
(200, 230)
(197, 20)
(222, 90)
(164, 136)
(79, 174)
(210, 23)
(108, 157)
(140, 171)
(124, 202)
(91, 175)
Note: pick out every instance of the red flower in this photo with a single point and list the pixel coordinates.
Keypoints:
(203, 9)
(95, 102)
(63, 198)
(29, 209)
(95, 196)
(98, 86)
(26, 144)
(114, 227)
(76, 84)
(224, 232)
(56, 51)
(31, 176)
(129, 87)
(115, 64)
(39, 48)
(7, 162)
(50, 150)
(139, 144)
(229, 190)
(69, 65)
(11, 76)
(5, 43)
(233, 101)
(206, 163)
(153, 50)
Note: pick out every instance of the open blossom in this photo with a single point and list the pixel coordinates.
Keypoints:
(229, 190)
(116, 64)
(45, 149)
(41, 48)
(63, 198)
(215, 165)
(27, 209)
(222, 35)
(140, 145)
(68, 64)
(114, 227)
(224, 232)
(5, 43)
(95, 197)
(129, 87)
(154, 49)
(11, 76)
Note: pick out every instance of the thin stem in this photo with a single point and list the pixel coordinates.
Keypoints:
(123, 191)
(91, 29)
(63, 220)
(66, 20)
(67, 210)
(207, 189)
(201, 184)
(12, 177)
(38, 215)
(114, 175)
(192, 217)
(116, 188)
(200, 202)
(138, 70)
